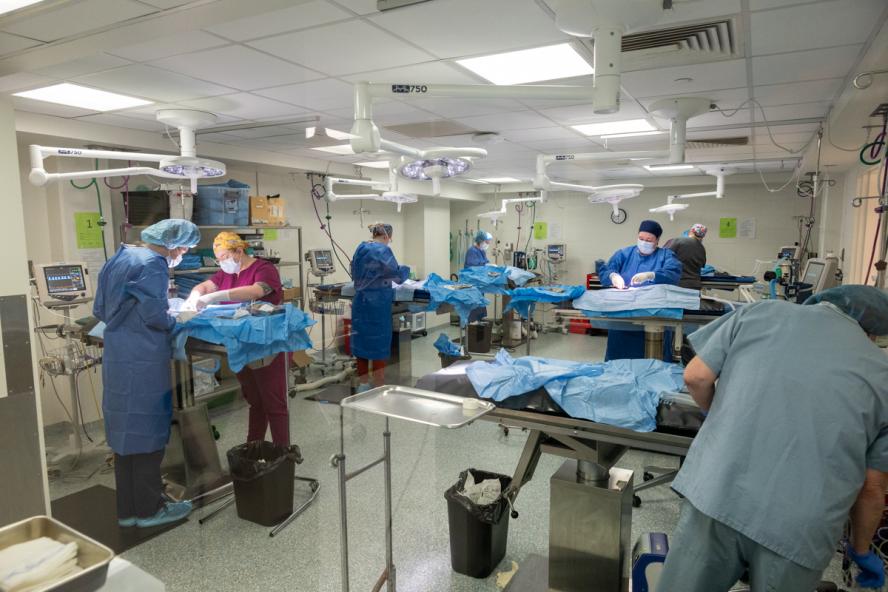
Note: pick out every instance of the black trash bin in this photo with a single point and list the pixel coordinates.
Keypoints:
(480, 334)
(263, 475)
(447, 359)
(478, 534)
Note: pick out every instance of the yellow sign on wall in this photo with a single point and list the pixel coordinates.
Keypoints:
(727, 228)
(88, 231)
(540, 230)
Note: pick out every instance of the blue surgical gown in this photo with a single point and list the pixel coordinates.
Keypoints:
(374, 268)
(476, 257)
(800, 412)
(132, 301)
(627, 262)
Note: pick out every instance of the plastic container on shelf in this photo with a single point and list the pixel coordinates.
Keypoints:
(226, 204)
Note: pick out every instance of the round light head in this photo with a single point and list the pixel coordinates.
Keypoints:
(614, 194)
(189, 167)
(438, 168)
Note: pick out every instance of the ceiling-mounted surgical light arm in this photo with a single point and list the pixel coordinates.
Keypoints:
(389, 191)
(719, 192)
(39, 176)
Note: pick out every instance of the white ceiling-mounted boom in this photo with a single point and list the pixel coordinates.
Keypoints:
(719, 173)
(389, 191)
(185, 166)
(670, 208)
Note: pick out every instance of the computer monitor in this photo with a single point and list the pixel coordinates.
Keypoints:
(820, 274)
(321, 261)
(788, 252)
(556, 252)
(62, 284)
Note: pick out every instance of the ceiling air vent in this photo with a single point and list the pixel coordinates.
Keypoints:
(679, 45)
(718, 142)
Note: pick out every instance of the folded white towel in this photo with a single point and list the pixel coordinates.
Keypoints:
(36, 564)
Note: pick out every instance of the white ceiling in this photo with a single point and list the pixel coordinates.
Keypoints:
(278, 60)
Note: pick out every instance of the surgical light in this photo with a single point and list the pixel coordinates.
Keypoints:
(192, 167)
(83, 97)
(668, 167)
(529, 65)
(615, 127)
(440, 168)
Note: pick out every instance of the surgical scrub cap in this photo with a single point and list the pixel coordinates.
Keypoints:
(698, 230)
(867, 304)
(380, 229)
(228, 241)
(482, 235)
(651, 226)
(172, 233)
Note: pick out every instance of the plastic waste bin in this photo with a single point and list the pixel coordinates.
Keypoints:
(480, 335)
(263, 475)
(478, 533)
(447, 359)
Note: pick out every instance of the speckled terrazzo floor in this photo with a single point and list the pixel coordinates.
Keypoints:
(228, 554)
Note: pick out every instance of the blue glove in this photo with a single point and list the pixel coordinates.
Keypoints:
(872, 571)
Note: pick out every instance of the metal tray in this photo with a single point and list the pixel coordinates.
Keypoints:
(92, 557)
(418, 406)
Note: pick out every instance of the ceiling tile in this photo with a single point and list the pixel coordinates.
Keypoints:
(168, 46)
(23, 81)
(811, 26)
(358, 6)
(359, 47)
(23, 104)
(738, 118)
(453, 28)
(246, 106)
(74, 18)
(663, 81)
(786, 94)
(427, 73)
(391, 113)
(579, 114)
(815, 64)
(800, 111)
(319, 94)
(86, 65)
(302, 16)
(543, 133)
(121, 121)
(11, 43)
(166, 3)
(507, 121)
(695, 11)
(145, 81)
(458, 107)
(237, 67)
(766, 4)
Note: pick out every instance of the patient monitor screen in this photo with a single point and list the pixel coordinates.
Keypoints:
(813, 273)
(64, 279)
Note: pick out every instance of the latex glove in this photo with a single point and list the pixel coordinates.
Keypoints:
(617, 281)
(644, 276)
(872, 571)
(185, 315)
(191, 302)
(212, 298)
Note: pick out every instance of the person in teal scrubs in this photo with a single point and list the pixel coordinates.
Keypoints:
(795, 443)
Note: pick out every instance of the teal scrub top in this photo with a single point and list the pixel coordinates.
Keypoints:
(800, 412)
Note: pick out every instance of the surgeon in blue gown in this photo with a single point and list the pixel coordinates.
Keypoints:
(476, 256)
(131, 299)
(639, 265)
(374, 268)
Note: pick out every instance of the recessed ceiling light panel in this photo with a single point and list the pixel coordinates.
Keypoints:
(626, 126)
(83, 97)
(668, 167)
(529, 65)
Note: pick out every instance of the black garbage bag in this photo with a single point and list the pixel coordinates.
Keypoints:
(252, 460)
(489, 513)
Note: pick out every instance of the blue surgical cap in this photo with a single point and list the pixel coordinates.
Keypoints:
(651, 226)
(172, 233)
(482, 235)
(866, 304)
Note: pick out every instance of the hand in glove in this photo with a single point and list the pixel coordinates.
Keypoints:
(872, 571)
(191, 302)
(644, 276)
(185, 315)
(617, 281)
(212, 298)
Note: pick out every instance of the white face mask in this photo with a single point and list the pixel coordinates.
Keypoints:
(174, 261)
(645, 247)
(230, 266)
(484, 246)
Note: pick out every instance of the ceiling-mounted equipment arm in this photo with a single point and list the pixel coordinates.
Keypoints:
(389, 191)
(39, 176)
